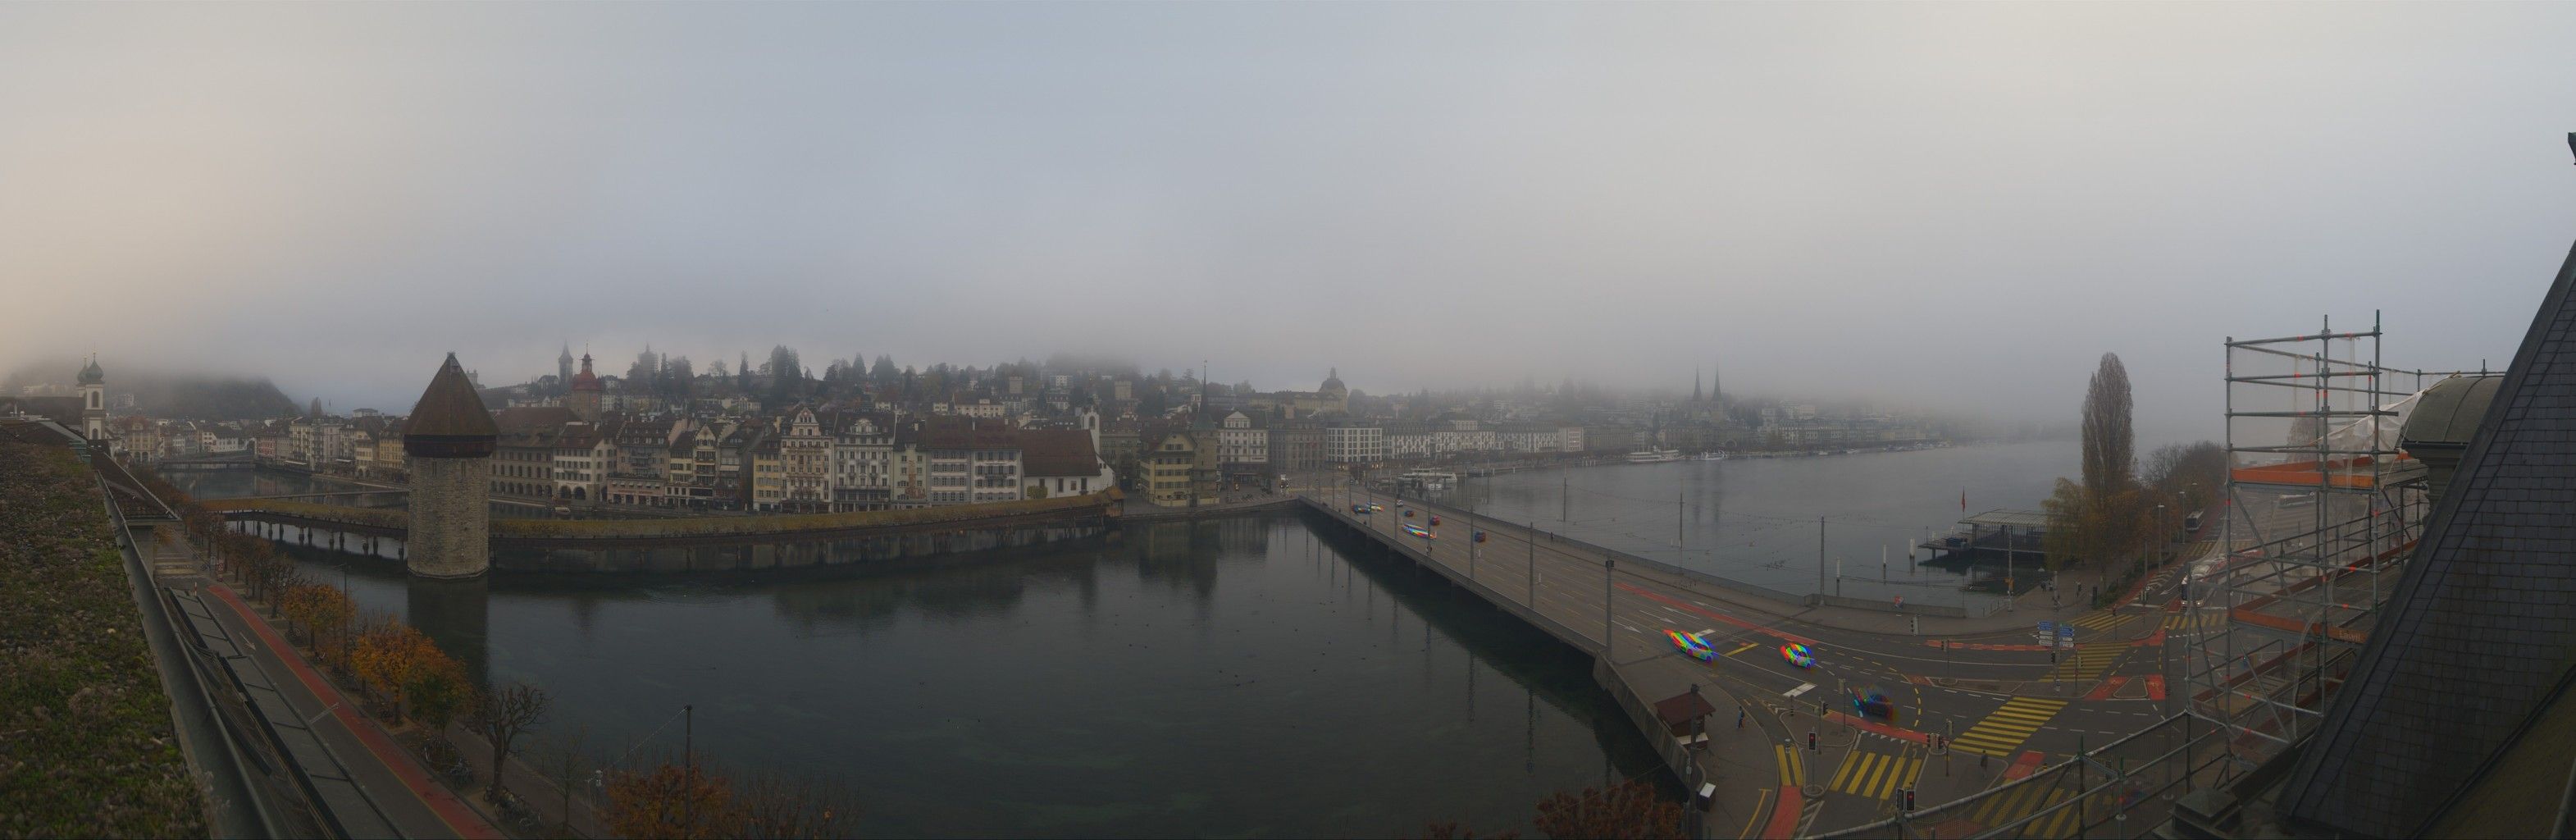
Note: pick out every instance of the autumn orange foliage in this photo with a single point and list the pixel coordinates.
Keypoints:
(670, 802)
(395, 659)
(1627, 811)
(324, 614)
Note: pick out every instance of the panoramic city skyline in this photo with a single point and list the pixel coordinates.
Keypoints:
(1843, 201)
(1074, 419)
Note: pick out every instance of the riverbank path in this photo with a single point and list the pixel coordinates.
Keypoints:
(398, 794)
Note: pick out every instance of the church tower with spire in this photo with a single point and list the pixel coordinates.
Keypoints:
(585, 392)
(93, 395)
(563, 367)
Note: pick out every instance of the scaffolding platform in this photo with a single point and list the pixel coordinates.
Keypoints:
(2323, 509)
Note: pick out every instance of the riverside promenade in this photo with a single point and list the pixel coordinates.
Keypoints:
(1618, 609)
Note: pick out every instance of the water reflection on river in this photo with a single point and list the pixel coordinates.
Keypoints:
(1755, 520)
(1233, 677)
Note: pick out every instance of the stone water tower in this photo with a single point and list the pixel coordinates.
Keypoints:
(450, 437)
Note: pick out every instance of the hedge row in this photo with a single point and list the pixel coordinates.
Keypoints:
(86, 744)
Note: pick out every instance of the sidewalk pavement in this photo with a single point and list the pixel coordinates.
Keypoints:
(538, 791)
(414, 803)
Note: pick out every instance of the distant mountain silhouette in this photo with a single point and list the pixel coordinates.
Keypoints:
(178, 395)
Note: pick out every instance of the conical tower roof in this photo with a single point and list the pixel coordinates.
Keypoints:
(449, 409)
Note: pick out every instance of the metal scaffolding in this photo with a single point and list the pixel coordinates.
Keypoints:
(2322, 510)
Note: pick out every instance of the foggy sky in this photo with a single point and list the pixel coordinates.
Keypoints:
(1953, 205)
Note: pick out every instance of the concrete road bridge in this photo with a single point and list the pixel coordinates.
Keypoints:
(1980, 705)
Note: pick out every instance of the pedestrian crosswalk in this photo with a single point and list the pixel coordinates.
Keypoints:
(1793, 765)
(2002, 732)
(1877, 775)
(2087, 661)
(2196, 621)
(2102, 621)
(2028, 799)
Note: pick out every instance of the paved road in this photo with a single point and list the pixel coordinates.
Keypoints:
(366, 779)
(2001, 698)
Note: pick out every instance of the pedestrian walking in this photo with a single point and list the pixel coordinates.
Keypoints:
(1739, 717)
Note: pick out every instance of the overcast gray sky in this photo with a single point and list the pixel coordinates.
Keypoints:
(1938, 203)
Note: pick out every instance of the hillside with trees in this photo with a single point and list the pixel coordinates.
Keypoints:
(180, 395)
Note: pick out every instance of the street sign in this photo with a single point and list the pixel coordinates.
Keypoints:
(2066, 635)
(2047, 632)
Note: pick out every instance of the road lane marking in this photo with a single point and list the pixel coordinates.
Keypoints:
(2004, 730)
(1801, 689)
(2101, 621)
(1747, 646)
(1793, 766)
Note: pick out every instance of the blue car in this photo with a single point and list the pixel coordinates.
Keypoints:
(1869, 702)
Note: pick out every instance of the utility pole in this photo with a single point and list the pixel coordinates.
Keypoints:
(1532, 539)
(2008, 571)
(1820, 560)
(689, 767)
(1678, 518)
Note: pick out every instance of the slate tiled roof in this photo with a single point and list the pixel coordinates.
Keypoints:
(1050, 453)
(449, 406)
(2483, 622)
(966, 433)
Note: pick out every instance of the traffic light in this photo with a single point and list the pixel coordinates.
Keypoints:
(1909, 799)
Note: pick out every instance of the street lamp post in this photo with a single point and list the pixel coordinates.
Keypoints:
(1609, 638)
(2160, 541)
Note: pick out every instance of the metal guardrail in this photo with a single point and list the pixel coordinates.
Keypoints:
(1676, 758)
(2101, 810)
(195, 715)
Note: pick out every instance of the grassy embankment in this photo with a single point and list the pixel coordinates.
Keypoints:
(86, 746)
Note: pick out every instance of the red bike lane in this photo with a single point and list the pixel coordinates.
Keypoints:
(458, 816)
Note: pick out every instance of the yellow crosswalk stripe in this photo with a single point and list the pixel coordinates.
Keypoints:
(2032, 798)
(1856, 760)
(2102, 621)
(2000, 808)
(2087, 662)
(1793, 766)
(1901, 776)
(1876, 775)
(2060, 824)
(2009, 726)
(2200, 621)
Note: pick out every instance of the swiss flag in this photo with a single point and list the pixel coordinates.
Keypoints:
(1963, 501)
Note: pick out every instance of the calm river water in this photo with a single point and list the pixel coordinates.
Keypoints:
(1754, 520)
(1234, 677)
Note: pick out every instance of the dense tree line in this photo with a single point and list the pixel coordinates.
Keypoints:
(2117, 512)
